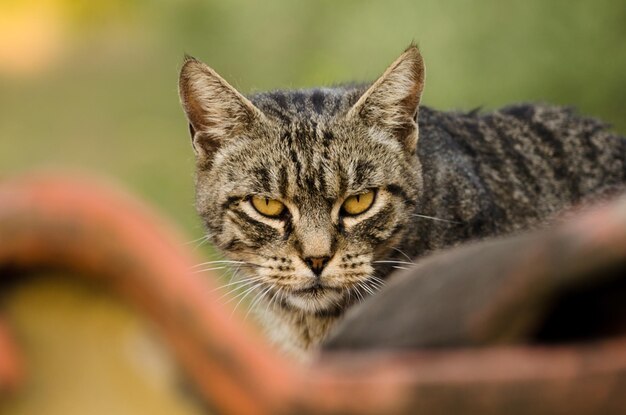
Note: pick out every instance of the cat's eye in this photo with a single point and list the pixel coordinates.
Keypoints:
(268, 207)
(357, 204)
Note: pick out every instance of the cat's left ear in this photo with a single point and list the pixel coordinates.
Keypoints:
(391, 103)
(216, 111)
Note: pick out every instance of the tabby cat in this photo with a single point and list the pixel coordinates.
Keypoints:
(321, 193)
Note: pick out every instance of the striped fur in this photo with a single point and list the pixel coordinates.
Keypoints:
(469, 176)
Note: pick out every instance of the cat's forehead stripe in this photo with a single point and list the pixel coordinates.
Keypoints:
(307, 104)
(317, 100)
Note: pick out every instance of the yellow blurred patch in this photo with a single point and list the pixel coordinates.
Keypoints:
(32, 37)
(34, 34)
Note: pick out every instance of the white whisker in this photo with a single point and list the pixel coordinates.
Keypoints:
(283, 295)
(378, 279)
(346, 293)
(389, 261)
(239, 287)
(405, 255)
(376, 284)
(220, 261)
(365, 288)
(209, 269)
(235, 275)
(417, 215)
(200, 239)
(273, 300)
(256, 300)
(246, 293)
(237, 282)
(368, 289)
(358, 294)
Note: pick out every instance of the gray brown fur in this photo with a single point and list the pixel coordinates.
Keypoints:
(479, 174)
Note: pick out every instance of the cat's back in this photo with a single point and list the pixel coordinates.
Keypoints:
(508, 169)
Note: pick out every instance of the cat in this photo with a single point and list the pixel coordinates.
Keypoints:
(320, 194)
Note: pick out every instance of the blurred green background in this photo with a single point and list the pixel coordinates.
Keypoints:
(90, 85)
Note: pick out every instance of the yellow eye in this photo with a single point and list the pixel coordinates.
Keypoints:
(358, 204)
(268, 207)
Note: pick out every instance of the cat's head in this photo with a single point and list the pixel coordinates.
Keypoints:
(309, 188)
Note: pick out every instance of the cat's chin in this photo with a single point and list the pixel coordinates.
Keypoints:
(314, 300)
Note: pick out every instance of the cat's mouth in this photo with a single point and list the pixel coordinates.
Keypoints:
(315, 289)
(314, 297)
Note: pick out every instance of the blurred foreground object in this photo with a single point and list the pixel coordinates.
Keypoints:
(547, 310)
(566, 284)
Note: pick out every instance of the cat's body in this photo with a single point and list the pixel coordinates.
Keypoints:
(508, 170)
(308, 154)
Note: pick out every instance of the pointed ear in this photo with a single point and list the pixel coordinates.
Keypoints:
(216, 111)
(391, 102)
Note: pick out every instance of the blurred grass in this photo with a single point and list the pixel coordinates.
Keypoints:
(108, 102)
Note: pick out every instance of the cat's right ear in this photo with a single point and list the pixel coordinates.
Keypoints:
(215, 110)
